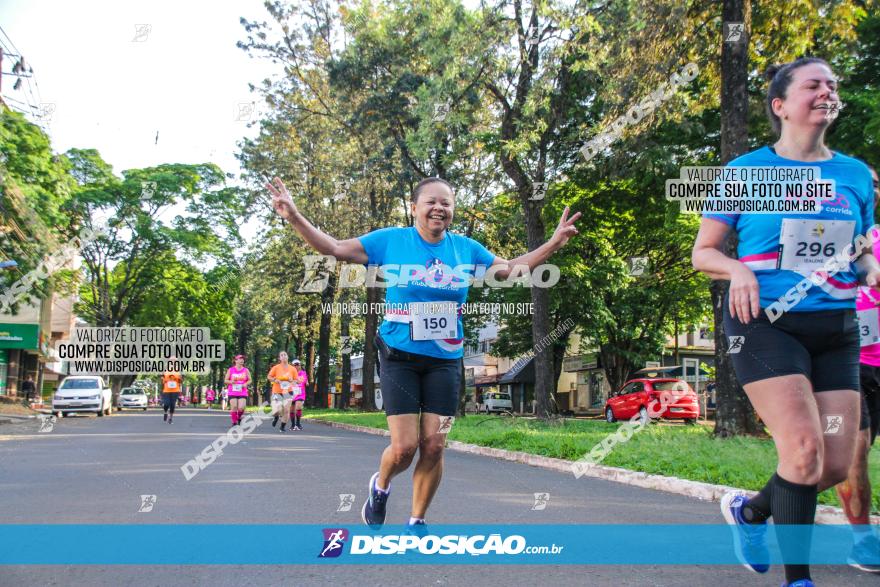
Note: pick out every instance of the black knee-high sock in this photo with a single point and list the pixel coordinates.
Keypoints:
(794, 504)
(757, 509)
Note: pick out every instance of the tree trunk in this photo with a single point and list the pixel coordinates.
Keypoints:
(323, 379)
(369, 364)
(558, 355)
(345, 400)
(255, 381)
(541, 318)
(616, 368)
(308, 360)
(734, 414)
(462, 392)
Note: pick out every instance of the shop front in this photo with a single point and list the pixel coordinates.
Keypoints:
(590, 389)
(21, 347)
(4, 369)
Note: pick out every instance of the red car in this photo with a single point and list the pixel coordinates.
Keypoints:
(637, 395)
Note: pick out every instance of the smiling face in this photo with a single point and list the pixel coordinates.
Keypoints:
(811, 98)
(434, 207)
(239, 362)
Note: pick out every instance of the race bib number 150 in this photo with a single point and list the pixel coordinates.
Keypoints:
(433, 320)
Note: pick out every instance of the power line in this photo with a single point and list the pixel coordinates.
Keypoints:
(10, 40)
(10, 98)
(34, 99)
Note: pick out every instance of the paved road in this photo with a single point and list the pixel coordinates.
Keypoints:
(91, 470)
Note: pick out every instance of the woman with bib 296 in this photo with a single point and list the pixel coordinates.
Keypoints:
(420, 340)
(798, 362)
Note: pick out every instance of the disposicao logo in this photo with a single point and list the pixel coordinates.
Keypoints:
(334, 540)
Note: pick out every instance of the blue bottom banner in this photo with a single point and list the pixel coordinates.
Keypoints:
(158, 544)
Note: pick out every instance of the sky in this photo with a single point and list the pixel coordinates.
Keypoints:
(112, 74)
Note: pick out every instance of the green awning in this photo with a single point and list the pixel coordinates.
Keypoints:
(20, 336)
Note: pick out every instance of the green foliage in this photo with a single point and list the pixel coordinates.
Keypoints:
(673, 450)
(857, 131)
(34, 186)
(144, 269)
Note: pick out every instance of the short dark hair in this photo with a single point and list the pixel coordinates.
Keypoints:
(428, 181)
(779, 77)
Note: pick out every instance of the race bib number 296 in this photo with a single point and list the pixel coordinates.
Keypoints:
(806, 244)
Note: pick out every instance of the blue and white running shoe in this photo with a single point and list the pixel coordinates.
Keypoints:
(418, 528)
(750, 540)
(373, 512)
(865, 555)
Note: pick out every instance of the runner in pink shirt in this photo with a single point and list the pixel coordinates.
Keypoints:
(237, 379)
(855, 492)
(299, 397)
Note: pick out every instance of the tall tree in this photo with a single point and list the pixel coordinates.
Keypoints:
(734, 414)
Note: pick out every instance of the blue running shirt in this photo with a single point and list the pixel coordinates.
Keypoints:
(759, 234)
(431, 280)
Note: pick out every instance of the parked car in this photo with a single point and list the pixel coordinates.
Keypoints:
(131, 397)
(83, 393)
(496, 402)
(635, 398)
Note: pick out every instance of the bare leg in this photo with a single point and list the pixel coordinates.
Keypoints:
(297, 411)
(285, 410)
(855, 492)
(397, 457)
(788, 407)
(429, 468)
(840, 443)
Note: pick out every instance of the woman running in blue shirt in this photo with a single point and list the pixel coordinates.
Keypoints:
(420, 340)
(799, 362)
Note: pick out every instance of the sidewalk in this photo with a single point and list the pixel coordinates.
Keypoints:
(703, 491)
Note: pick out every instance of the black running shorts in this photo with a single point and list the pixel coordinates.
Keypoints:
(413, 383)
(823, 346)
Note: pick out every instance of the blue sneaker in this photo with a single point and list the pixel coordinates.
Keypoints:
(418, 528)
(750, 540)
(865, 555)
(373, 512)
(799, 583)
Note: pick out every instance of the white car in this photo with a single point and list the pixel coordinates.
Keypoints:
(131, 397)
(83, 393)
(497, 402)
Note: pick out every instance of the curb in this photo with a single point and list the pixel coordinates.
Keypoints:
(825, 514)
(16, 417)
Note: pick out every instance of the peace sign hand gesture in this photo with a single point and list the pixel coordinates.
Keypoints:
(565, 229)
(282, 203)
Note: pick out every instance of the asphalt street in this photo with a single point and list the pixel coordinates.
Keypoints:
(95, 470)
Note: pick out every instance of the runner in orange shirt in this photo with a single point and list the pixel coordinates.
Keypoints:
(283, 377)
(171, 381)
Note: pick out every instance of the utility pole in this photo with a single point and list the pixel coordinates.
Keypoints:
(675, 352)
